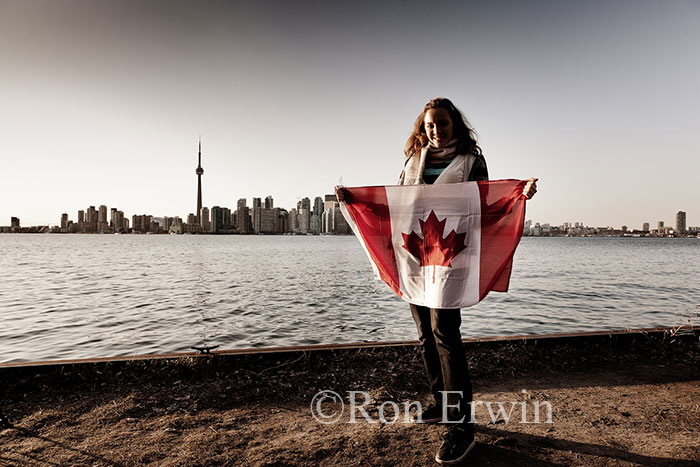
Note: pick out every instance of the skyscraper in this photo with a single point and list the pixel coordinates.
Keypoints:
(257, 215)
(204, 219)
(680, 222)
(199, 173)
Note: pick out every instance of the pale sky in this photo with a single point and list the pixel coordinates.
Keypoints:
(102, 102)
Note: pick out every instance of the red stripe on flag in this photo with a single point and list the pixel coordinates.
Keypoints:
(372, 219)
(502, 218)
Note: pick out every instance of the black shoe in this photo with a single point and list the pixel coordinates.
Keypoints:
(4, 421)
(431, 414)
(455, 446)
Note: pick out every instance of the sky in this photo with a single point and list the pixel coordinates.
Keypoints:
(103, 102)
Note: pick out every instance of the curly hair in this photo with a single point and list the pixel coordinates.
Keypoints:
(462, 130)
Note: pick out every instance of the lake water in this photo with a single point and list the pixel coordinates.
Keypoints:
(79, 296)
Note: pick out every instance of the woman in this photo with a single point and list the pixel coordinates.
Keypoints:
(443, 149)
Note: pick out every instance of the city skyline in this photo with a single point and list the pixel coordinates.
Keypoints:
(201, 221)
(103, 100)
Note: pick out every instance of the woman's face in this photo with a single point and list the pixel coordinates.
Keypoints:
(438, 126)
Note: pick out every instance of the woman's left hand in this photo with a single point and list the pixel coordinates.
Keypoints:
(531, 188)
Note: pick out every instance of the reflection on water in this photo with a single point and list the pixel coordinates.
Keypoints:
(76, 296)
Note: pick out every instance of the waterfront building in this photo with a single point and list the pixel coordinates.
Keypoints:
(257, 213)
(645, 227)
(680, 222)
(328, 220)
(341, 225)
(304, 220)
(303, 215)
(268, 223)
(90, 220)
(217, 219)
(64, 221)
(269, 202)
(191, 219)
(199, 171)
(282, 224)
(81, 219)
(293, 220)
(137, 223)
(204, 220)
(318, 206)
(14, 224)
(660, 227)
(144, 223)
(330, 204)
(315, 224)
(537, 230)
(243, 222)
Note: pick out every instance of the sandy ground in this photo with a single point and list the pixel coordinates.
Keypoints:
(618, 403)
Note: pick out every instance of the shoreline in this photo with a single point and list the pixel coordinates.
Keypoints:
(623, 399)
(496, 340)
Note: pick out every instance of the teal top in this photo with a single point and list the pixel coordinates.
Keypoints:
(432, 172)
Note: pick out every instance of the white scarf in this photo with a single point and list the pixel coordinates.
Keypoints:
(413, 170)
(443, 154)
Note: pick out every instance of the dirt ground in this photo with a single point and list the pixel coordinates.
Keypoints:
(614, 401)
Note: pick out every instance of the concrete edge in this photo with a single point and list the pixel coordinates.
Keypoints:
(668, 330)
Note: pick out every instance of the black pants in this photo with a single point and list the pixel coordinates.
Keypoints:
(445, 360)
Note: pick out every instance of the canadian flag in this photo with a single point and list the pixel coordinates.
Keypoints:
(440, 246)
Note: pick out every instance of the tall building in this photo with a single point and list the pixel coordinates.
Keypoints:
(257, 215)
(199, 171)
(64, 221)
(341, 225)
(328, 220)
(220, 220)
(318, 206)
(243, 217)
(660, 227)
(102, 214)
(304, 215)
(91, 220)
(282, 224)
(293, 219)
(204, 219)
(102, 218)
(269, 221)
(680, 222)
(328, 216)
(217, 219)
(645, 227)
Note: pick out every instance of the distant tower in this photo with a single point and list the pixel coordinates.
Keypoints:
(199, 173)
(680, 222)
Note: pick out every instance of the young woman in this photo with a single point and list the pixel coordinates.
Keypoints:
(442, 149)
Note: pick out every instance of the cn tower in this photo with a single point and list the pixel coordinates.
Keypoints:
(199, 173)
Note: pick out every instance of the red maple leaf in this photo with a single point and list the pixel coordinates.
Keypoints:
(432, 249)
